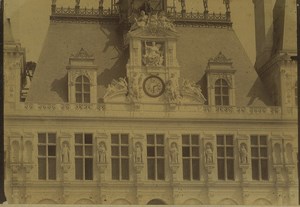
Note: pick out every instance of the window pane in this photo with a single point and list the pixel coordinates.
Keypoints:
(221, 169)
(125, 169)
(79, 169)
(185, 139)
(151, 169)
(42, 168)
(195, 152)
(229, 140)
(195, 139)
(150, 151)
(86, 98)
(89, 169)
(115, 169)
(42, 137)
(52, 138)
(264, 169)
(150, 139)
(225, 100)
(78, 151)
(263, 140)
(217, 90)
(229, 151)
(220, 140)
(78, 98)
(51, 150)
(88, 150)
(186, 169)
(196, 169)
(124, 151)
(160, 169)
(218, 100)
(254, 140)
(230, 169)
(85, 79)
(88, 139)
(255, 169)
(220, 152)
(78, 88)
(52, 168)
(78, 138)
(263, 152)
(160, 151)
(160, 139)
(42, 150)
(186, 151)
(115, 139)
(86, 88)
(115, 151)
(254, 152)
(124, 138)
(225, 90)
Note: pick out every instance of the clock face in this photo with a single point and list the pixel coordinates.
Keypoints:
(154, 86)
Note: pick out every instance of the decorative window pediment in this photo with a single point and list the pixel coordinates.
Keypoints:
(220, 81)
(82, 78)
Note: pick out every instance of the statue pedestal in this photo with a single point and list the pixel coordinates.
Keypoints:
(102, 167)
(174, 167)
(209, 168)
(244, 168)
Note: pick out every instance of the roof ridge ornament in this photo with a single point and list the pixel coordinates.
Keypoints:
(220, 58)
(152, 22)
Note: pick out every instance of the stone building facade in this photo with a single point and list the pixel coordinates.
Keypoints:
(140, 104)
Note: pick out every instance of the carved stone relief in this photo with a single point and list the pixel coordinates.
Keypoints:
(153, 54)
(117, 87)
(101, 152)
(172, 90)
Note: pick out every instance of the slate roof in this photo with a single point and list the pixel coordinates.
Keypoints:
(194, 48)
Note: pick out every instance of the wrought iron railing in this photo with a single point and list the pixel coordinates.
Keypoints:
(85, 12)
(198, 16)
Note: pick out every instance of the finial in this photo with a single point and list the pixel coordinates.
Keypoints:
(53, 2)
(205, 5)
(101, 3)
(77, 3)
(183, 7)
(227, 5)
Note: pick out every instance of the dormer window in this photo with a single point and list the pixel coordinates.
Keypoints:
(82, 78)
(221, 93)
(82, 86)
(220, 81)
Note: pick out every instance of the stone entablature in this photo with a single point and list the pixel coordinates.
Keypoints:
(215, 193)
(151, 110)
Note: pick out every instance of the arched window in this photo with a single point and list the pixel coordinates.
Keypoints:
(82, 86)
(221, 93)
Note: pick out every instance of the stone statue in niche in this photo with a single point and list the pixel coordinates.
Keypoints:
(243, 154)
(153, 55)
(101, 152)
(173, 89)
(138, 153)
(28, 152)
(136, 87)
(140, 22)
(15, 152)
(65, 153)
(174, 153)
(289, 153)
(208, 153)
(277, 155)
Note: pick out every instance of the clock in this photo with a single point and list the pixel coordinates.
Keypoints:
(153, 86)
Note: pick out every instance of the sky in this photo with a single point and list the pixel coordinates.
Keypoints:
(30, 20)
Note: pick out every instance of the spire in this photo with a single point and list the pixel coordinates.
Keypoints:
(8, 36)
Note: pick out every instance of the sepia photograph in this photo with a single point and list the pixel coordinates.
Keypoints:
(150, 102)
